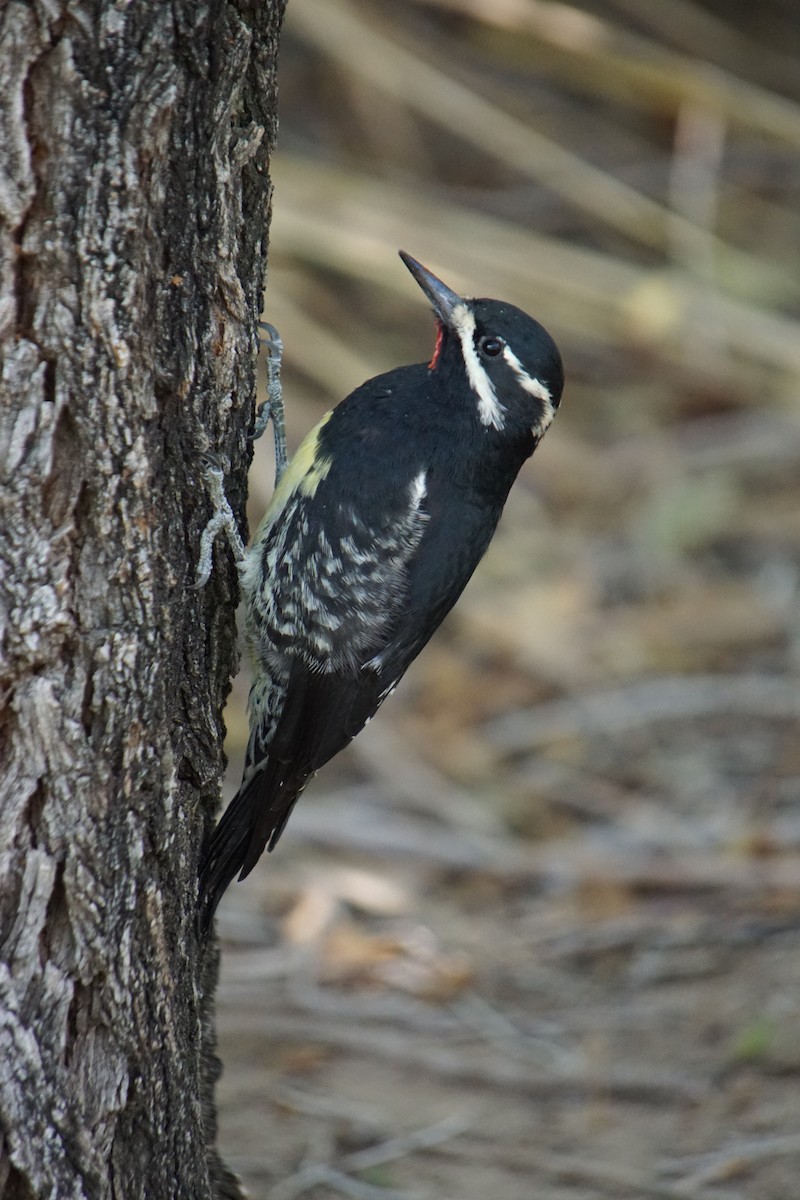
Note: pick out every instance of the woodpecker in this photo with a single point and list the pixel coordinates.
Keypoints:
(373, 531)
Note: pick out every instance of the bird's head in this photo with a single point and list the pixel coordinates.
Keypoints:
(510, 363)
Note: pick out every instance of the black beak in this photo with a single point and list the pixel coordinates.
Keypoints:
(441, 297)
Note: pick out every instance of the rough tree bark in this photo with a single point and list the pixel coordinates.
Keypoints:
(134, 195)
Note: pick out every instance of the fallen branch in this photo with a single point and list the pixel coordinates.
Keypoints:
(623, 710)
(340, 1178)
(643, 1085)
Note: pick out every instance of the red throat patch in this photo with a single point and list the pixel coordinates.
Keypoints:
(437, 349)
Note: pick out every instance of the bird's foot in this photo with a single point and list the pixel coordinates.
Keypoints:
(272, 408)
(222, 520)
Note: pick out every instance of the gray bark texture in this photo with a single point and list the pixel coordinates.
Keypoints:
(134, 207)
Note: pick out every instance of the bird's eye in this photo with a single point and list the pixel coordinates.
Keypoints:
(490, 346)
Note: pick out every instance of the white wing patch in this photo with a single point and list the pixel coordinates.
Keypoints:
(534, 387)
(490, 410)
(418, 490)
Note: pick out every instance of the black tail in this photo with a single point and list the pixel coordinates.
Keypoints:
(225, 854)
(321, 714)
(257, 815)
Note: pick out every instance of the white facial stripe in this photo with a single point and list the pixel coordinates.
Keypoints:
(490, 410)
(534, 387)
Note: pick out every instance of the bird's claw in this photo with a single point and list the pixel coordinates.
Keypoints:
(272, 341)
(211, 466)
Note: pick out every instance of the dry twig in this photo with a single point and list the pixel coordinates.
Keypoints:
(403, 1146)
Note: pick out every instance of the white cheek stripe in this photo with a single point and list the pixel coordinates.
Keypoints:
(490, 410)
(534, 387)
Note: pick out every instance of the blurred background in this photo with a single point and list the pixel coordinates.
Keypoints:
(535, 933)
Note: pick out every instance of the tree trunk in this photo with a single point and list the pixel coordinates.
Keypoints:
(134, 196)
